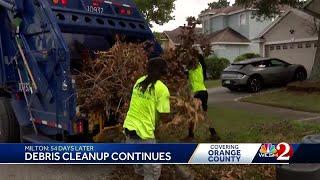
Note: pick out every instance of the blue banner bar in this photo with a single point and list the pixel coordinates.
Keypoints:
(282, 153)
(96, 153)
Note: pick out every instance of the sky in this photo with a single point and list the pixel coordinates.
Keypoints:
(184, 8)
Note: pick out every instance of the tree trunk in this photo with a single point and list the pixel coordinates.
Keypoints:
(315, 73)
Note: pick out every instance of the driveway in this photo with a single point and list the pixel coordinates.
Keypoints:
(55, 172)
(223, 97)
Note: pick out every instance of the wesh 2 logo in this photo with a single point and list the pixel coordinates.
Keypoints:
(282, 151)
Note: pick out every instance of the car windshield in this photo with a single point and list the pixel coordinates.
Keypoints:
(261, 64)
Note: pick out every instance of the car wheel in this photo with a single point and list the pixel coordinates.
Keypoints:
(254, 84)
(300, 75)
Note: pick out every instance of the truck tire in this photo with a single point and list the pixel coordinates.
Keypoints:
(9, 127)
(301, 171)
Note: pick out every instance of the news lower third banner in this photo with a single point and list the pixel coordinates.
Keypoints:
(281, 153)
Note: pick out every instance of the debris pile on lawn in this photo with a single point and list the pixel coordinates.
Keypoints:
(106, 81)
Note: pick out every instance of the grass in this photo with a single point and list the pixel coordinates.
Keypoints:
(245, 126)
(239, 126)
(213, 83)
(301, 101)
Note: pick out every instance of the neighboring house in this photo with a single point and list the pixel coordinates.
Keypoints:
(233, 29)
(171, 39)
(291, 37)
(312, 7)
(165, 42)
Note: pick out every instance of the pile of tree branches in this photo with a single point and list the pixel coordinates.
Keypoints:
(184, 107)
(106, 81)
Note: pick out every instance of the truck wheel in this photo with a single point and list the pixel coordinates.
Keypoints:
(9, 127)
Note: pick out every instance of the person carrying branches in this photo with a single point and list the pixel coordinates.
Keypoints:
(197, 77)
(150, 102)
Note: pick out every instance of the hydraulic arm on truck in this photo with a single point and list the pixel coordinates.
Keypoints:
(39, 42)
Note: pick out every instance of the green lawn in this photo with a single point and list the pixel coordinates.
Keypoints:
(244, 126)
(213, 83)
(239, 126)
(289, 99)
(249, 127)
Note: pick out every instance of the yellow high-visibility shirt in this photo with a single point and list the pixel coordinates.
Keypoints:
(196, 79)
(145, 108)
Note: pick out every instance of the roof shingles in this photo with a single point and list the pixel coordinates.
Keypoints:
(234, 9)
(227, 35)
(174, 35)
(226, 10)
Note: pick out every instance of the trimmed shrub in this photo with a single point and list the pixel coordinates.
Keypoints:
(246, 56)
(216, 65)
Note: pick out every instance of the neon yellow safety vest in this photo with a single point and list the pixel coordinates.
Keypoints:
(145, 108)
(196, 79)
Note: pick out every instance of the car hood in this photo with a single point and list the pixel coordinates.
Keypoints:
(235, 68)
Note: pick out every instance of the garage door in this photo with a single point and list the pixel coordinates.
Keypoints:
(294, 53)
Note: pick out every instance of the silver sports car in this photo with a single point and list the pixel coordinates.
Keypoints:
(259, 72)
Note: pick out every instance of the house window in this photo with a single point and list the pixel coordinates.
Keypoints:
(271, 48)
(315, 44)
(284, 46)
(278, 47)
(308, 45)
(242, 19)
(300, 45)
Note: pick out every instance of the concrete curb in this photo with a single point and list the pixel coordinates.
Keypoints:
(260, 93)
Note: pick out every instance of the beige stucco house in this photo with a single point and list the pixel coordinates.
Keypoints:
(292, 37)
(232, 30)
(165, 42)
(171, 39)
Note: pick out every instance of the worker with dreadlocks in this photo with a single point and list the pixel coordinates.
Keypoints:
(149, 103)
(196, 78)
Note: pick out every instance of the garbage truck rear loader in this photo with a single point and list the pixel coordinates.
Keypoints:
(41, 41)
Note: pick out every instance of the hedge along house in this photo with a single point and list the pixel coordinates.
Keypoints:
(233, 30)
(291, 37)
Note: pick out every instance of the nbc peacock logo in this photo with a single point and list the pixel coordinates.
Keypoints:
(268, 150)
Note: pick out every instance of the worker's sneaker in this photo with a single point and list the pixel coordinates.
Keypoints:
(189, 138)
(214, 135)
